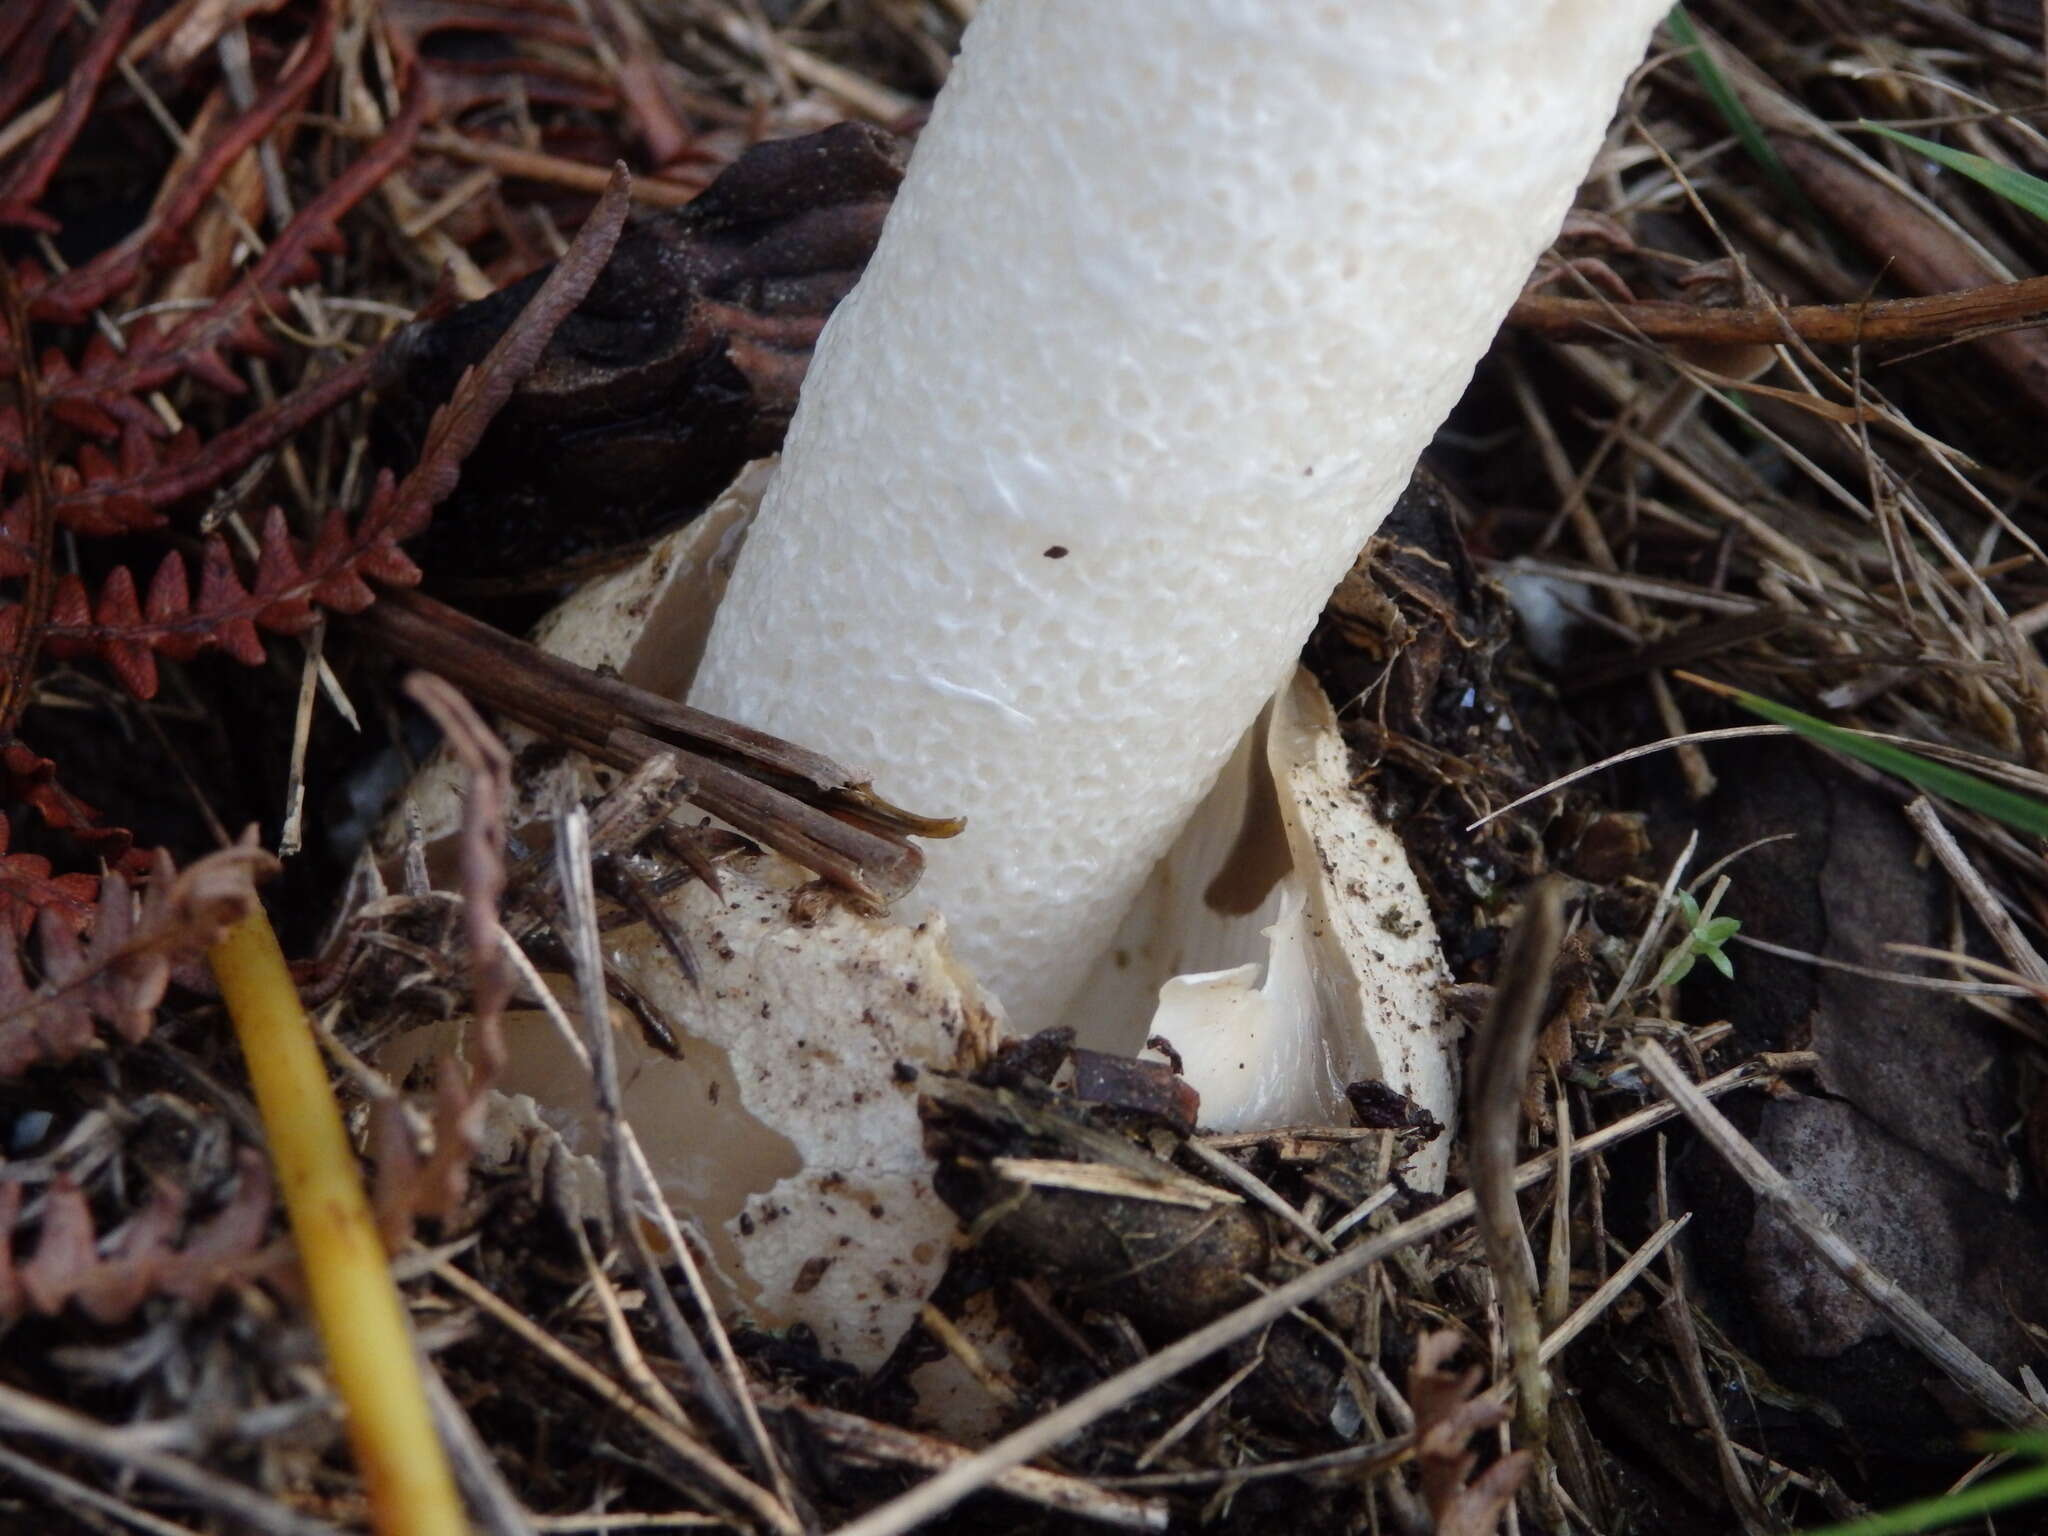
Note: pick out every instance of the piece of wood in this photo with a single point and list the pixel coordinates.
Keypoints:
(1936, 317)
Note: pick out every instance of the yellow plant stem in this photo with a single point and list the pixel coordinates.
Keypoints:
(355, 1301)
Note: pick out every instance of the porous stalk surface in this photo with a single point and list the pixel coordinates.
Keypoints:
(1170, 302)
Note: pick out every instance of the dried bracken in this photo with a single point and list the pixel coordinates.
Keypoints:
(69, 408)
(28, 889)
(101, 390)
(408, 1184)
(110, 1277)
(114, 428)
(118, 975)
(1448, 1418)
(291, 580)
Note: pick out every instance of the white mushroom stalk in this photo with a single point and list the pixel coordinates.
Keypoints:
(1172, 299)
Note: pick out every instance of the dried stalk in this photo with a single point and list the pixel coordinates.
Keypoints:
(886, 1446)
(362, 1320)
(1991, 912)
(790, 799)
(1914, 1322)
(734, 1410)
(1934, 318)
(704, 1470)
(32, 1418)
(930, 1499)
(1500, 1070)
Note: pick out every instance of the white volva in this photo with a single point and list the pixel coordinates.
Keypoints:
(1175, 293)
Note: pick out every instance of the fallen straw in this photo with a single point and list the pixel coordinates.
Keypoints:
(1816, 1228)
(361, 1320)
(937, 1494)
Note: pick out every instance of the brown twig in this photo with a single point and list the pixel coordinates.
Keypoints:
(885, 1445)
(1364, 1460)
(65, 1492)
(1675, 1313)
(496, 1508)
(733, 1408)
(1500, 1071)
(1676, 1317)
(534, 165)
(706, 1470)
(932, 1498)
(1937, 317)
(1917, 250)
(626, 1350)
(790, 799)
(1914, 1322)
(617, 822)
(1926, 818)
(1591, 1309)
(35, 1419)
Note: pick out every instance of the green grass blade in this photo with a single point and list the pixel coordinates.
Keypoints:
(2021, 1442)
(1734, 113)
(2023, 813)
(1950, 1509)
(2015, 186)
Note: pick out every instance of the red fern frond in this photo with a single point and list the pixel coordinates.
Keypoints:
(26, 32)
(23, 637)
(118, 976)
(23, 187)
(84, 450)
(104, 388)
(127, 492)
(293, 583)
(233, 323)
(69, 297)
(140, 1261)
(28, 778)
(102, 494)
(225, 610)
(27, 887)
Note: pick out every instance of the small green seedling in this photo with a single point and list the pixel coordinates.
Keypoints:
(1704, 939)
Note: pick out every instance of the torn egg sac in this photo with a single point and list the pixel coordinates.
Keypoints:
(1283, 947)
(1282, 950)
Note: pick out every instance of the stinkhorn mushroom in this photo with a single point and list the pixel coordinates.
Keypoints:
(1172, 298)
